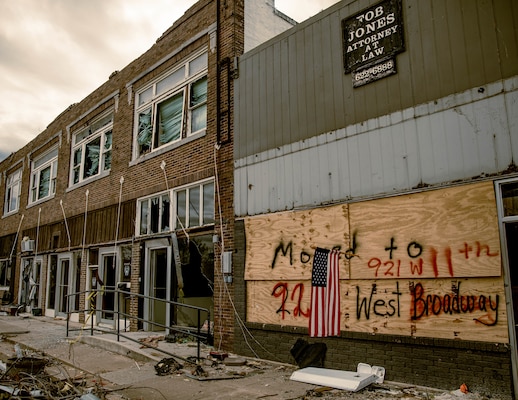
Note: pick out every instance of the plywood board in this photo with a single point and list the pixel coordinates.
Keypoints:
(442, 233)
(280, 246)
(465, 309)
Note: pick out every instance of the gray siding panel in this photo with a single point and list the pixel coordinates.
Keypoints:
(451, 46)
(459, 137)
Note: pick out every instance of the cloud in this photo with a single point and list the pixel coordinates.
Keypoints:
(54, 53)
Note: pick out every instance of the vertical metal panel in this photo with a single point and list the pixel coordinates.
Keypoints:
(511, 105)
(507, 13)
(451, 46)
(431, 144)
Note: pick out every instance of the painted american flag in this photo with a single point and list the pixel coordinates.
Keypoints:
(324, 319)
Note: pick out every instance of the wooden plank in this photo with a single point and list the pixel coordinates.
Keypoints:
(464, 309)
(279, 246)
(450, 232)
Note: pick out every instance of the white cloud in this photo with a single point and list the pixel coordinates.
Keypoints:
(53, 53)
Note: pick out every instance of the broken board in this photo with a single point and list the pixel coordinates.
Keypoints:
(346, 380)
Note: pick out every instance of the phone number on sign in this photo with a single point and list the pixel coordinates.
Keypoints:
(375, 72)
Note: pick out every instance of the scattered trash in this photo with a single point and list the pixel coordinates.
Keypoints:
(151, 341)
(346, 380)
(19, 366)
(464, 388)
(199, 371)
(234, 361)
(218, 355)
(167, 366)
(29, 375)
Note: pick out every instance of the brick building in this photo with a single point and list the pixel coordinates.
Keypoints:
(386, 130)
(132, 187)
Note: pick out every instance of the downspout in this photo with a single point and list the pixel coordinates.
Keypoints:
(218, 73)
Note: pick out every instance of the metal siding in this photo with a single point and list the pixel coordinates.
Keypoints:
(291, 73)
(511, 102)
(421, 145)
(428, 124)
(301, 125)
(451, 46)
(277, 90)
(285, 95)
(458, 44)
(472, 41)
(442, 45)
(267, 140)
(507, 13)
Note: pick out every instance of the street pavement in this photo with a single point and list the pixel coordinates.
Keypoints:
(124, 369)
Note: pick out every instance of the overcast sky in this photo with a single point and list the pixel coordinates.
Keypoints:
(53, 53)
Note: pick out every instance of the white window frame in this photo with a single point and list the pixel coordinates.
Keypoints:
(189, 219)
(178, 81)
(13, 186)
(206, 205)
(100, 129)
(144, 227)
(49, 160)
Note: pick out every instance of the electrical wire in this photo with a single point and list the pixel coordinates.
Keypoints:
(224, 286)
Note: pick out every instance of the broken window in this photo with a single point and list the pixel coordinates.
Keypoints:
(164, 106)
(154, 214)
(92, 150)
(198, 105)
(12, 192)
(44, 171)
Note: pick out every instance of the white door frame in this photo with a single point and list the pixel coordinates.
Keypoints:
(502, 221)
(60, 285)
(103, 253)
(156, 244)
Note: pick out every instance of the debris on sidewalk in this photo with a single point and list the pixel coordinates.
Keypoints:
(167, 366)
(30, 375)
(346, 380)
(151, 341)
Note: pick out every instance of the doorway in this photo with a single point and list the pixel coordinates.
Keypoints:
(157, 286)
(507, 192)
(108, 276)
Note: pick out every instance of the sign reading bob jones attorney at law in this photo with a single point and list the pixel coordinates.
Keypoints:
(373, 35)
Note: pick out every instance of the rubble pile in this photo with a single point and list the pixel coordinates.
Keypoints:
(30, 375)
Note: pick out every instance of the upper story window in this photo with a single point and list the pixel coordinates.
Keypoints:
(43, 176)
(172, 107)
(185, 207)
(92, 150)
(12, 192)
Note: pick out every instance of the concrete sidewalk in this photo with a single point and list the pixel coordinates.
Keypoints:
(126, 370)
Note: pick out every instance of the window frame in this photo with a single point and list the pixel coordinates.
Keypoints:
(36, 176)
(13, 180)
(83, 141)
(152, 97)
(173, 222)
(187, 221)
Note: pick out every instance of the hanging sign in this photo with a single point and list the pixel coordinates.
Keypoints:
(371, 39)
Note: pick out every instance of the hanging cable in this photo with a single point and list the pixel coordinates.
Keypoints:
(37, 232)
(162, 167)
(118, 215)
(66, 224)
(84, 225)
(244, 330)
(16, 238)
